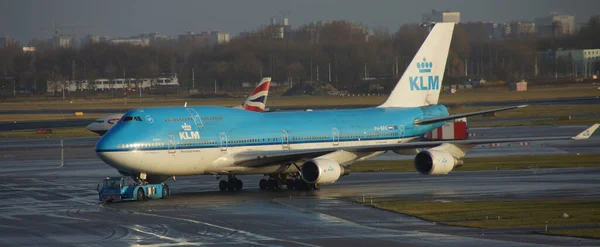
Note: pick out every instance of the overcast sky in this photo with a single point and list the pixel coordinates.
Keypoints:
(22, 19)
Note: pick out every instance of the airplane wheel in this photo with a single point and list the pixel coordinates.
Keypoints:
(262, 184)
(290, 184)
(238, 185)
(140, 194)
(316, 186)
(223, 185)
(165, 191)
(272, 184)
(231, 186)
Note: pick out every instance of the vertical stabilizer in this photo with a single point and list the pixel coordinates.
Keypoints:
(258, 99)
(421, 82)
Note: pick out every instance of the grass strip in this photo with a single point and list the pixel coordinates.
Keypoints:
(45, 117)
(466, 96)
(67, 132)
(501, 214)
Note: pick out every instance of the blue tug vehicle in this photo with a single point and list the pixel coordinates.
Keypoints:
(116, 189)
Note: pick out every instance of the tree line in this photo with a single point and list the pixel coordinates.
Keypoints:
(338, 52)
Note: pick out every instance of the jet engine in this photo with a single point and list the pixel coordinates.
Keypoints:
(435, 162)
(322, 171)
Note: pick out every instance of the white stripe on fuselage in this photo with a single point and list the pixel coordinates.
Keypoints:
(199, 161)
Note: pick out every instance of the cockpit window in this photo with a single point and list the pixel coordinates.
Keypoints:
(132, 118)
(99, 121)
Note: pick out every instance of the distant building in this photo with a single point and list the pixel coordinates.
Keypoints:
(7, 41)
(576, 63)
(89, 39)
(484, 30)
(217, 38)
(132, 41)
(160, 81)
(27, 49)
(522, 29)
(281, 30)
(61, 41)
(316, 32)
(157, 39)
(587, 62)
(442, 16)
(192, 40)
(555, 25)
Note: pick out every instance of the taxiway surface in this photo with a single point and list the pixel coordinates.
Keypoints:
(46, 205)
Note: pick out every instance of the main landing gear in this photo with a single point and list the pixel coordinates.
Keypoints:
(232, 184)
(291, 182)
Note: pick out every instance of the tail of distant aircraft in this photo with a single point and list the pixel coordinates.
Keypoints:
(421, 82)
(258, 99)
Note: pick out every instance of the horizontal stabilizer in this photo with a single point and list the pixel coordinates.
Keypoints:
(468, 114)
(586, 133)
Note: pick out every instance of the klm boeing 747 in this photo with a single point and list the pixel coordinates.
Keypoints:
(298, 149)
(255, 102)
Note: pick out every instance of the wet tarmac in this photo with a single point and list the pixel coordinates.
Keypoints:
(44, 203)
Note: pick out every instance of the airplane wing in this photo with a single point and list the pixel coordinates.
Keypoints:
(468, 114)
(264, 158)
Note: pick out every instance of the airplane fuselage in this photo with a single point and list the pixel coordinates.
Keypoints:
(205, 140)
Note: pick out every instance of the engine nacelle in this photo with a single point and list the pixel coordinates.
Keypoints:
(435, 162)
(322, 171)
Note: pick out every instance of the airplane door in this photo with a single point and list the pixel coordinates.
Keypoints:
(196, 117)
(285, 141)
(335, 133)
(401, 131)
(171, 145)
(223, 141)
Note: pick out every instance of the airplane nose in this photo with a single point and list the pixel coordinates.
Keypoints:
(109, 151)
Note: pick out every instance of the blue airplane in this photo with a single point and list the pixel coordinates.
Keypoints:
(298, 149)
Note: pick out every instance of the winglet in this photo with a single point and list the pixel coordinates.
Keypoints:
(586, 133)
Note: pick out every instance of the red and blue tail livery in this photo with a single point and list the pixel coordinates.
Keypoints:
(257, 101)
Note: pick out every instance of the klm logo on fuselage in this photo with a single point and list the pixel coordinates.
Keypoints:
(187, 134)
(424, 83)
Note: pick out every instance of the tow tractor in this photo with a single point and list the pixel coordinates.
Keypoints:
(126, 189)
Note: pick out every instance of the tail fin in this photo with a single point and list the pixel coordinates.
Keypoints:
(258, 99)
(421, 82)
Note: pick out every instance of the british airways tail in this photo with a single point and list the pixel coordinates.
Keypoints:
(258, 99)
(421, 82)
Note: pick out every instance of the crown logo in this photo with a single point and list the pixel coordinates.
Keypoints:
(186, 127)
(424, 67)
